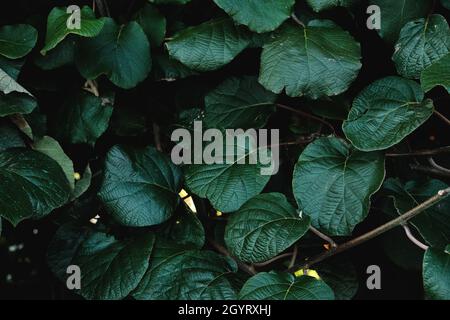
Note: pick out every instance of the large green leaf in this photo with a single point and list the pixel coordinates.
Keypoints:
(153, 23)
(436, 274)
(333, 183)
(319, 5)
(83, 118)
(140, 186)
(264, 226)
(421, 43)
(11, 67)
(111, 269)
(258, 15)
(284, 286)
(17, 41)
(395, 14)
(210, 45)
(57, 28)
(228, 185)
(62, 55)
(316, 61)
(187, 275)
(434, 223)
(9, 136)
(120, 52)
(31, 185)
(386, 112)
(437, 74)
(50, 147)
(239, 103)
(14, 103)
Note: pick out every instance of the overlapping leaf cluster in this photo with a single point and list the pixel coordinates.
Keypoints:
(123, 221)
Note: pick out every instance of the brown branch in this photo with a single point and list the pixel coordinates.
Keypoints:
(401, 220)
(265, 263)
(431, 152)
(297, 20)
(442, 117)
(157, 136)
(294, 256)
(221, 249)
(307, 115)
(437, 166)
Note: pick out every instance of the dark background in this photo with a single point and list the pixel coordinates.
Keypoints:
(24, 273)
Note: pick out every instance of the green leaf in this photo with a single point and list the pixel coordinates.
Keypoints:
(432, 224)
(111, 269)
(320, 5)
(83, 118)
(228, 185)
(395, 14)
(333, 183)
(315, 61)
(239, 103)
(167, 69)
(437, 74)
(208, 46)
(11, 67)
(140, 186)
(31, 184)
(341, 276)
(185, 229)
(284, 286)
(124, 52)
(436, 274)
(50, 147)
(17, 41)
(9, 136)
(259, 15)
(386, 112)
(187, 275)
(422, 42)
(446, 4)
(153, 23)
(8, 84)
(57, 28)
(14, 103)
(62, 55)
(264, 227)
(82, 185)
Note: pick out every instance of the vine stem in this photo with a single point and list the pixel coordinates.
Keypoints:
(442, 117)
(306, 115)
(431, 152)
(401, 220)
(323, 237)
(297, 20)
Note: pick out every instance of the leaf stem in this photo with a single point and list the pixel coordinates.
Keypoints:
(279, 257)
(414, 239)
(297, 20)
(323, 237)
(307, 115)
(401, 220)
(430, 170)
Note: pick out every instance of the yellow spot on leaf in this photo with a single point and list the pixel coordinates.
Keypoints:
(309, 273)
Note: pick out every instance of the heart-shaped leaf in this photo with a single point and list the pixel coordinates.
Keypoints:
(263, 227)
(140, 186)
(333, 183)
(385, 112)
(314, 61)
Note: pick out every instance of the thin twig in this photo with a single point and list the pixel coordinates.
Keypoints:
(294, 256)
(430, 170)
(323, 236)
(279, 257)
(437, 166)
(157, 136)
(92, 87)
(297, 20)
(401, 220)
(414, 239)
(307, 115)
(442, 117)
(221, 249)
(431, 152)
